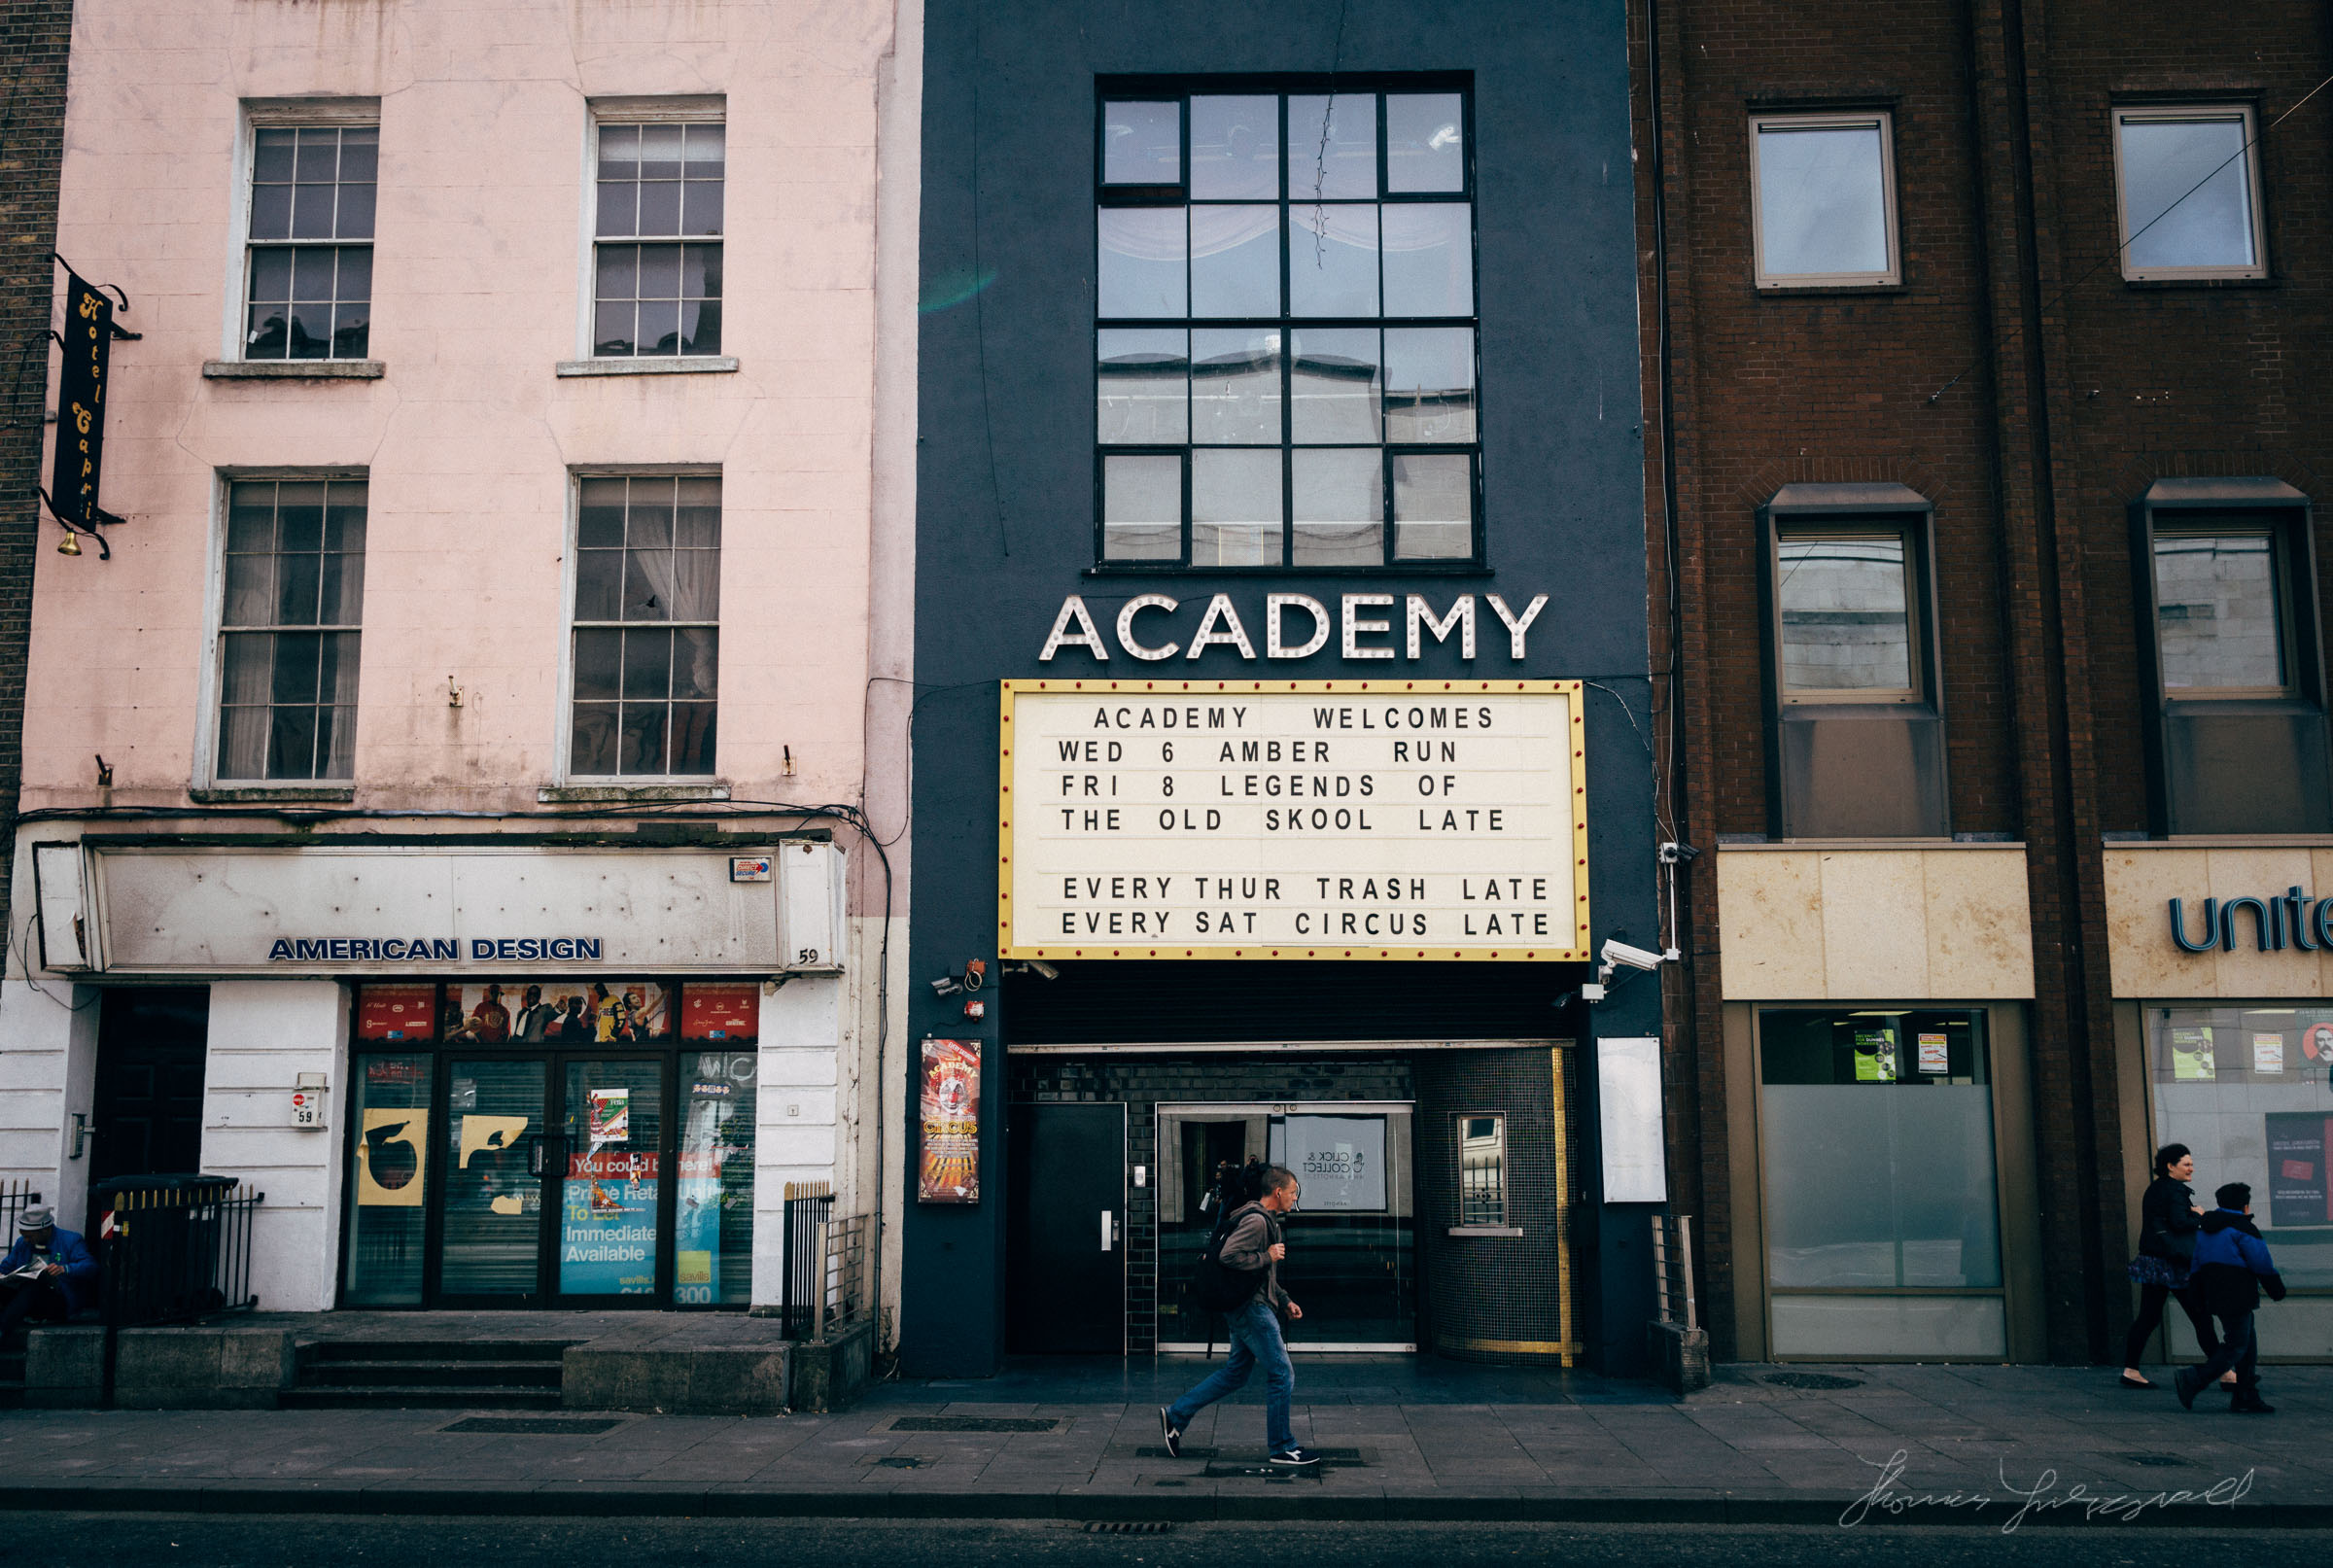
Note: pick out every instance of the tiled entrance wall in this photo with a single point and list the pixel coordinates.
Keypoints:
(1143, 1081)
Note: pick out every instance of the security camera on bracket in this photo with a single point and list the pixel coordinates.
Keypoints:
(1617, 955)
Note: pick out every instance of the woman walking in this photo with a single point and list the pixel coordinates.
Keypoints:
(2169, 1221)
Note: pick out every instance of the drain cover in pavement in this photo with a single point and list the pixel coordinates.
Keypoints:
(1128, 1527)
(972, 1423)
(534, 1425)
(898, 1461)
(1811, 1379)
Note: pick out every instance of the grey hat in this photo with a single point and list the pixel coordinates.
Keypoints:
(39, 1217)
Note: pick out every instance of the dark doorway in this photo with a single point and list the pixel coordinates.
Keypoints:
(1066, 1228)
(148, 1114)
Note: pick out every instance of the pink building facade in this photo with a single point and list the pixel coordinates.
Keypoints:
(448, 808)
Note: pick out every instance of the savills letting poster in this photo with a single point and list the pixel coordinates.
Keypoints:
(949, 1171)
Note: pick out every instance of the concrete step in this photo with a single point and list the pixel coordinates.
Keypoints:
(456, 1373)
(422, 1397)
(393, 1350)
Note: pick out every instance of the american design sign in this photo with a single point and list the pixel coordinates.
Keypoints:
(1276, 820)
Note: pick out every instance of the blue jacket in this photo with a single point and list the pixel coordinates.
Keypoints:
(2232, 1263)
(79, 1282)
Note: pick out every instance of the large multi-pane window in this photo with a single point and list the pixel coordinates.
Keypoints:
(1285, 344)
(288, 626)
(308, 291)
(647, 626)
(657, 246)
(2190, 181)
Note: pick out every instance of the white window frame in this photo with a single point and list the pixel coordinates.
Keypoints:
(695, 110)
(282, 113)
(212, 682)
(713, 785)
(2159, 113)
(1888, 276)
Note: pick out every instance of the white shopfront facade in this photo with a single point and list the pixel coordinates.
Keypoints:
(463, 1073)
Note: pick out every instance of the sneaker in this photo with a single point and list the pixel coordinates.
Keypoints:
(1172, 1433)
(1294, 1459)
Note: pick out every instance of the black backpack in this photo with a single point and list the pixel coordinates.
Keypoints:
(1216, 1285)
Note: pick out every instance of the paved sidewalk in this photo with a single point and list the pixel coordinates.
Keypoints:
(1413, 1440)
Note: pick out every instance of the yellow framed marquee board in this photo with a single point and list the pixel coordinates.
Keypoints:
(1275, 820)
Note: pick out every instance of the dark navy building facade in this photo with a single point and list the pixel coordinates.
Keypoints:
(1265, 352)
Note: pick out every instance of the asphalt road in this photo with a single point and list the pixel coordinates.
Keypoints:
(183, 1541)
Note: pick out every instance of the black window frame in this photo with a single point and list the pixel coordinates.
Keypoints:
(1180, 91)
(2194, 736)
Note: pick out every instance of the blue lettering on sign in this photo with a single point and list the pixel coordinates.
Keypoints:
(2294, 918)
(429, 948)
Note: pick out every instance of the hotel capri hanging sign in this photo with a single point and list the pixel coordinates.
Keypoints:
(1400, 819)
(79, 464)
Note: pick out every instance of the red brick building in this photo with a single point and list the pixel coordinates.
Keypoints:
(1985, 443)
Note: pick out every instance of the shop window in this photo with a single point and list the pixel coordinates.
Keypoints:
(1856, 732)
(656, 246)
(291, 609)
(1824, 194)
(388, 1216)
(2187, 181)
(1482, 1170)
(308, 255)
(2236, 730)
(1882, 1219)
(647, 661)
(2249, 1090)
(714, 1256)
(1286, 347)
(516, 1141)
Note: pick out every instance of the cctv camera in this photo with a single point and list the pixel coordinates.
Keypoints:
(1045, 970)
(1617, 952)
(946, 985)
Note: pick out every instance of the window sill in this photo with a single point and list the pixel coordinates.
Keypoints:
(1165, 569)
(1486, 1230)
(2144, 284)
(231, 795)
(293, 370)
(705, 364)
(622, 793)
(1800, 290)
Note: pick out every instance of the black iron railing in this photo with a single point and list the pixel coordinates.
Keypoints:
(16, 1197)
(176, 1254)
(828, 1264)
(809, 1206)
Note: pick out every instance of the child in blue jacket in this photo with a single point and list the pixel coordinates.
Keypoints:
(2232, 1267)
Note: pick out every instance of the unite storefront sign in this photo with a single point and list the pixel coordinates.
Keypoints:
(1275, 820)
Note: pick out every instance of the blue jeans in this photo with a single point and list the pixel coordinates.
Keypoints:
(1255, 1338)
(2240, 1348)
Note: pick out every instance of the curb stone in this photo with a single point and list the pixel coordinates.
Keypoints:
(616, 1500)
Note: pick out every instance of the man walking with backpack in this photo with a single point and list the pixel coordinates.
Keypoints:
(1241, 1272)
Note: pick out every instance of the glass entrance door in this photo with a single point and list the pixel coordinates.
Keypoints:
(611, 1203)
(1352, 1242)
(493, 1158)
